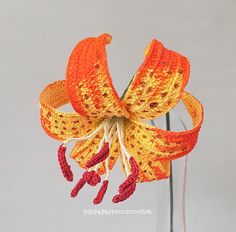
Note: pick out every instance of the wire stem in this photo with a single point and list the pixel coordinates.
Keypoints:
(170, 181)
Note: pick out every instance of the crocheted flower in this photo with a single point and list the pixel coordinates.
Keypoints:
(106, 126)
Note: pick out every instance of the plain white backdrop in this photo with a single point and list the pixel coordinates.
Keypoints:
(36, 38)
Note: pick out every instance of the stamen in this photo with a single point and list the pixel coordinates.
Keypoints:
(92, 178)
(123, 153)
(65, 167)
(100, 156)
(110, 137)
(126, 194)
(77, 187)
(127, 188)
(98, 199)
(125, 163)
(121, 137)
(132, 177)
(99, 148)
(107, 168)
(88, 175)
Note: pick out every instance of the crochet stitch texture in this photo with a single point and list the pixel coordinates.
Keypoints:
(107, 127)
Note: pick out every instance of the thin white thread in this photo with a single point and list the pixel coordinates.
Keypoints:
(107, 169)
(110, 141)
(120, 137)
(124, 152)
(108, 128)
(99, 148)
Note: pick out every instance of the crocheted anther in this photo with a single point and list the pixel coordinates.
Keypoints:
(100, 156)
(132, 177)
(88, 175)
(94, 180)
(65, 167)
(124, 195)
(77, 187)
(98, 199)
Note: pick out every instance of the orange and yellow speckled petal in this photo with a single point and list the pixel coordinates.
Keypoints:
(89, 84)
(135, 139)
(153, 147)
(158, 84)
(83, 151)
(57, 124)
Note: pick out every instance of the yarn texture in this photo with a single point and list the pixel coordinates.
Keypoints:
(106, 127)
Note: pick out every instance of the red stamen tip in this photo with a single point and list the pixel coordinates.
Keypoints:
(77, 187)
(98, 199)
(100, 156)
(132, 177)
(88, 175)
(65, 167)
(126, 194)
(94, 180)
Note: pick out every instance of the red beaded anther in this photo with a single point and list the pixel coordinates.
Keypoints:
(100, 156)
(88, 175)
(98, 199)
(65, 167)
(132, 177)
(126, 194)
(94, 180)
(77, 187)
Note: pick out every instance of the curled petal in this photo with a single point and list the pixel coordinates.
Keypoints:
(89, 84)
(158, 84)
(153, 147)
(57, 124)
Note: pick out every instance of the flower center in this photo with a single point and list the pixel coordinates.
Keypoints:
(111, 127)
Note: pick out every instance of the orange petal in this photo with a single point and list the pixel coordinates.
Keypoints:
(89, 84)
(150, 168)
(84, 150)
(58, 124)
(152, 147)
(158, 84)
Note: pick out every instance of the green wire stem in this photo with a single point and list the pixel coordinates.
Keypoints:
(170, 182)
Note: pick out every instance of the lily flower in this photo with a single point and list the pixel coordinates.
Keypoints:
(106, 127)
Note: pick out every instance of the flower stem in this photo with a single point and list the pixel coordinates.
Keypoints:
(170, 181)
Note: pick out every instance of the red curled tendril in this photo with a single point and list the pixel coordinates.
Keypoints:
(65, 167)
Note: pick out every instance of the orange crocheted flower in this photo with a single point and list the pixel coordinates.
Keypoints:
(106, 126)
